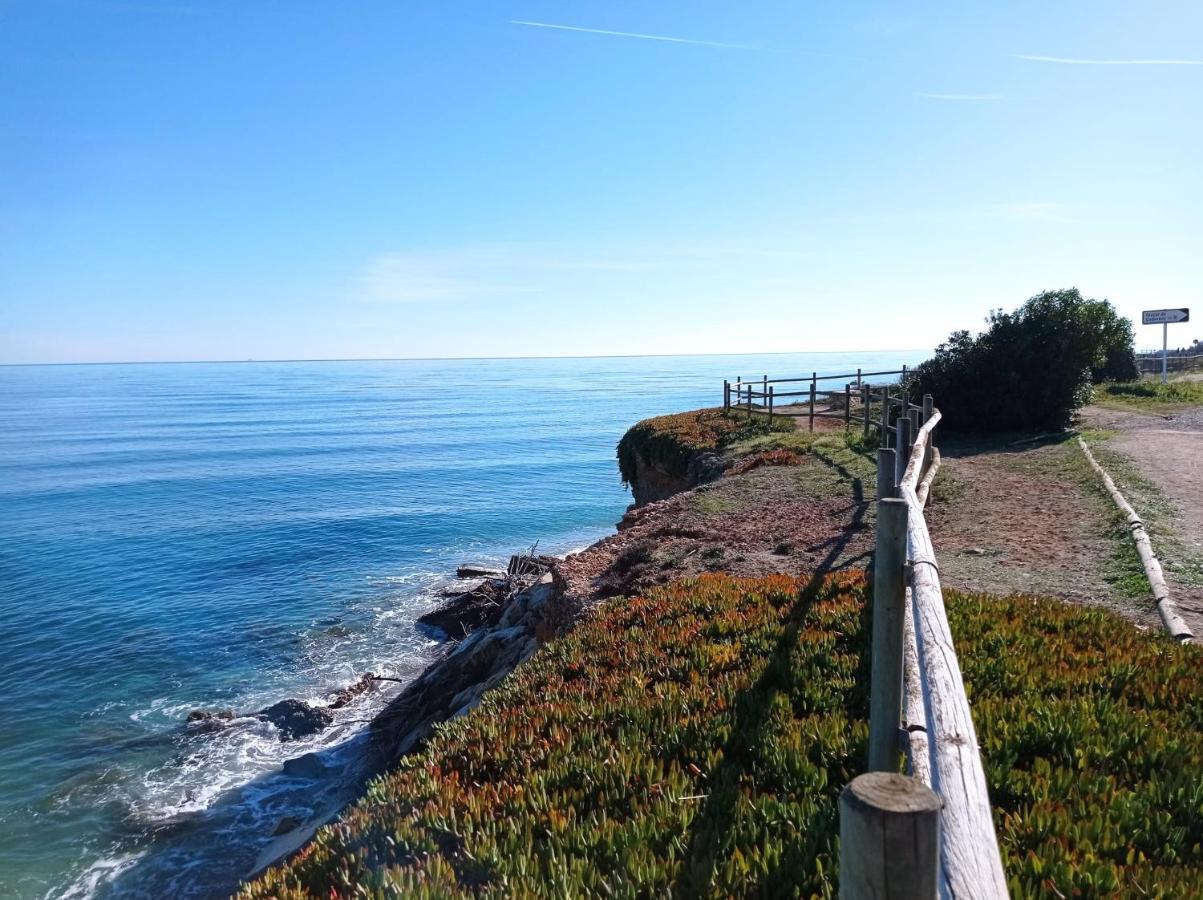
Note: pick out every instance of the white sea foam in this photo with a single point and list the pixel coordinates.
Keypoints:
(223, 792)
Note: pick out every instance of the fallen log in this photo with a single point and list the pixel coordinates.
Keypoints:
(1166, 608)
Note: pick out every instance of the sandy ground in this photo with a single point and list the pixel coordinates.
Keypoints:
(1005, 518)
(1024, 519)
(790, 519)
(1167, 450)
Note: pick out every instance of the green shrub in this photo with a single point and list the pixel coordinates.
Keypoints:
(670, 441)
(1031, 368)
(694, 741)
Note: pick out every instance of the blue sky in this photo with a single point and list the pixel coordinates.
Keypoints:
(217, 180)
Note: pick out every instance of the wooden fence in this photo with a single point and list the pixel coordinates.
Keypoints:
(1150, 364)
(918, 700)
(817, 398)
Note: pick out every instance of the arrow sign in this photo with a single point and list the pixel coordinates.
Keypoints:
(1164, 316)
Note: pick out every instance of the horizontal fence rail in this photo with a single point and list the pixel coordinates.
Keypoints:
(917, 693)
(1151, 365)
(814, 398)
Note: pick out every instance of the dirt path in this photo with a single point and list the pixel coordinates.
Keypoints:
(1026, 519)
(1166, 452)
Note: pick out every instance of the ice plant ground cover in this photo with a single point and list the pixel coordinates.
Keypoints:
(695, 741)
(669, 441)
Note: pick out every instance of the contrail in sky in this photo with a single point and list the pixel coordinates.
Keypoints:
(960, 96)
(630, 34)
(1110, 62)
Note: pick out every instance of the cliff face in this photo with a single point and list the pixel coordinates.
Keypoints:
(654, 481)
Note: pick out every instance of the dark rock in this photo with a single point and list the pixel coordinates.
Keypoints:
(307, 765)
(480, 606)
(295, 718)
(472, 571)
(349, 693)
(287, 824)
(454, 684)
(209, 719)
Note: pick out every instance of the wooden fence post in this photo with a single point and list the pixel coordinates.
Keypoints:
(858, 381)
(889, 595)
(889, 838)
(847, 403)
(749, 401)
(928, 406)
(916, 424)
(770, 407)
(885, 417)
(764, 387)
(813, 384)
(865, 394)
(726, 395)
(885, 473)
(902, 448)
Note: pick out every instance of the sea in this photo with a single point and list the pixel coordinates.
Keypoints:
(222, 536)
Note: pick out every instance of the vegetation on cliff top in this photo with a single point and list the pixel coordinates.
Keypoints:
(670, 441)
(1151, 394)
(695, 740)
(1031, 368)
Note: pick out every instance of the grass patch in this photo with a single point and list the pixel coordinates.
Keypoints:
(669, 441)
(1150, 394)
(709, 503)
(1161, 518)
(694, 742)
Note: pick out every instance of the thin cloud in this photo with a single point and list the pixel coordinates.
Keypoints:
(966, 97)
(631, 34)
(1065, 61)
(1041, 212)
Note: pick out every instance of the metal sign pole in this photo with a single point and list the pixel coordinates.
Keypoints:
(1165, 343)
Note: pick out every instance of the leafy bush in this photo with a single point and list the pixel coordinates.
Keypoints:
(1031, 368)
(670, 441)
(695, 741)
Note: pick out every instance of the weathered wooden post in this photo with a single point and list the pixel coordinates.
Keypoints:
(865, 394)
(814, 380)
(770, 407)
(902, 447)
(749, 401)
(726, 395)
(764, 387)
(847, 403)
(858, 381)
(889, 595)
(885, 417)
(889, 838)
(913, 415)
(928, 406)
(885, 473)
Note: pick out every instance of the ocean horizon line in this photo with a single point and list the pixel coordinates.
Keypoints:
(340, 359)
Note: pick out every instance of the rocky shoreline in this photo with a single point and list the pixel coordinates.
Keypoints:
(490, 628)
(746, 516)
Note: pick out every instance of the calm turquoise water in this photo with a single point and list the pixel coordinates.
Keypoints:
(228, 535)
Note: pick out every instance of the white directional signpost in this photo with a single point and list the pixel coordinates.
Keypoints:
(1164, 318)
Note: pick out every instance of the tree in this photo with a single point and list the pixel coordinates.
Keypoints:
(1031, 368)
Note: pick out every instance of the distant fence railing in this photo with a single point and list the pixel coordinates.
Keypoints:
(1151, 365)
(896, 838)
(812, 398)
